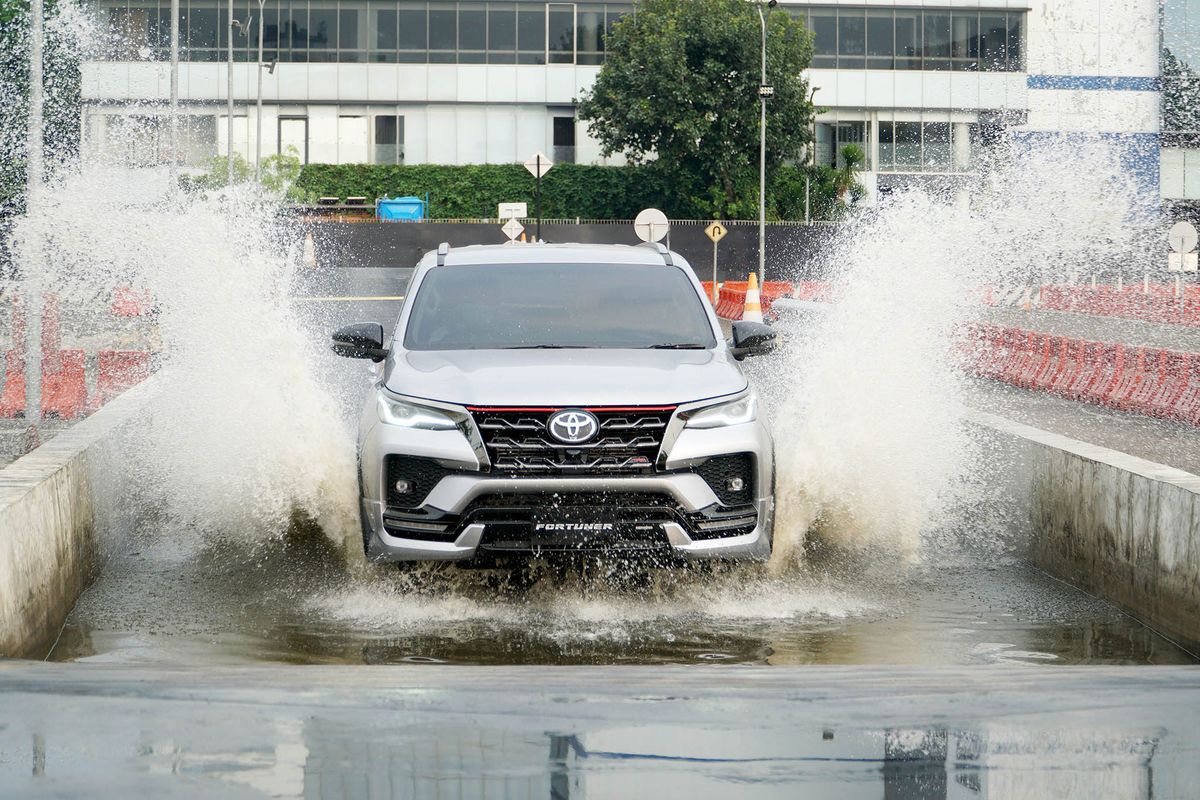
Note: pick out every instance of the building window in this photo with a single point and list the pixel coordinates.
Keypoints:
(389, 139)
(526, 32)
(560, 33)
(531, 33)
(564, 140)
(942, 39)
(926, 146)
(833, 136)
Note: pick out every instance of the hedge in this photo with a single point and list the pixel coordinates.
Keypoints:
(568, 190)
(474, 191)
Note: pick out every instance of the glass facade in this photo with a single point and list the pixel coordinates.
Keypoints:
(387, 31)
(926, 145)
(929, 39)
(539, 33)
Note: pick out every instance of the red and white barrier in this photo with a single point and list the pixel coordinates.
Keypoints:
(65, 372)
(1141, 380)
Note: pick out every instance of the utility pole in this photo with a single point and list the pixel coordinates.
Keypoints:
(229, 103)
(34, 169)
(765, 91)
(258, 105)
(812, 160)
(174, 121)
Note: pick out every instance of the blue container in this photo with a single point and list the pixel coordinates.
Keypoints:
(400, 208)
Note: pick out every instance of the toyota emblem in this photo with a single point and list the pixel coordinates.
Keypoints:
(573, 426)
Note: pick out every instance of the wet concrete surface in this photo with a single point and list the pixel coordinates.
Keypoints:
(1098, 328)
(586, 732)
(1175, 444)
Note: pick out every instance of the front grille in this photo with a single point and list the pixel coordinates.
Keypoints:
(719, 471)
(421, 475)
(627, 442)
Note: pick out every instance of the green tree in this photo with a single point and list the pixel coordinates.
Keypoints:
(277, 175)
(1180, 95)
(679, 92)
(832, 193)
(61, 83)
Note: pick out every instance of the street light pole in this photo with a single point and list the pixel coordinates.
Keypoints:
(174, 122)
(762, 148)
(34, 167)
(258, 107)
(229, 102)
(812, 160)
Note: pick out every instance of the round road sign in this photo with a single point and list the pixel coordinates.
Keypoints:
(1182, 237)
(651, 225)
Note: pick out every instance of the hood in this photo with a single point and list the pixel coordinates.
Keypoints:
(565, 377)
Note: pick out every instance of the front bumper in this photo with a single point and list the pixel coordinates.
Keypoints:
(673, 532)
(471, 511)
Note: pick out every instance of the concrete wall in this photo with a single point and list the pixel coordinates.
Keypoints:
(48, 543)
(1118, 526)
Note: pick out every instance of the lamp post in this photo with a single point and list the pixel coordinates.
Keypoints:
(229, 102)
(174, 121)
(764, 91)
(812, 160)
(34, 168)
(258, 104)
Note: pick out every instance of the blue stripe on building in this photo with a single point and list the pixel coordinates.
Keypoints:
(1139, 154)
(1106, 83)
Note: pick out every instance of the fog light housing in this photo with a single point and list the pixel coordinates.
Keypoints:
(735, 484)
(404, 487)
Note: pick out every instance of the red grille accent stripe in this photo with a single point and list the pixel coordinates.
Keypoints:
(487, 409)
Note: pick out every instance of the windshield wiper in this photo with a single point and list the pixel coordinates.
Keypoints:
(677, 346)
(544, 347)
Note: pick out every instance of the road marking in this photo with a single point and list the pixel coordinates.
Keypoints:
(331, 299)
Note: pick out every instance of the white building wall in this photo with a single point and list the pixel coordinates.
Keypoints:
(1071, 44)
(454, 114)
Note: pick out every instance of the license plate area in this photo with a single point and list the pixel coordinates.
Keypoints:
(574, 529)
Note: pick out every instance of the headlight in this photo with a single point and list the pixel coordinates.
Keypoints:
(410, 415)
(733, 412)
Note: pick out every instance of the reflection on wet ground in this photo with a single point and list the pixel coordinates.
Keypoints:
(178, 598)
(583, 732)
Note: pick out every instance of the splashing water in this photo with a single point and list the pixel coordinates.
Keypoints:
(871, 444)
(244, 431)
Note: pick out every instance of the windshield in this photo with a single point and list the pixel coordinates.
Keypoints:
(500, 306)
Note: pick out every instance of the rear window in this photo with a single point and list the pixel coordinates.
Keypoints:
(502, 306)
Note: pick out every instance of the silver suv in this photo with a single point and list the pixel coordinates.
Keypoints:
(561, 398)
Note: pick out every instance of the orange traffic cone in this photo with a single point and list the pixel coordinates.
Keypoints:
(753, 309)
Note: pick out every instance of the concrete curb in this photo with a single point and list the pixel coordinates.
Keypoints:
(1116, 525)
(48, 547)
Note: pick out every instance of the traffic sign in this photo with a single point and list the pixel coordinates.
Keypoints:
(651, 225)
(1182, 237)
(512, 229)
(538, 164)
(513, 211)
(716, 232)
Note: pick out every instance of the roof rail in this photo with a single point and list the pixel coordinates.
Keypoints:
(443, 251)
(662, 250)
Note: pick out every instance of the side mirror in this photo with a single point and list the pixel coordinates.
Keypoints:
(751, 339)
(364, 340)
